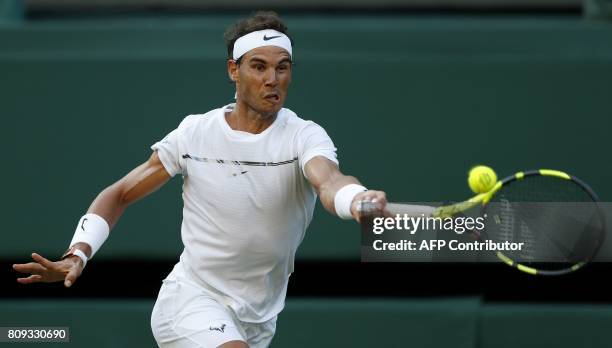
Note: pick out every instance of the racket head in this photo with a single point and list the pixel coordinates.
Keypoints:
(556, 215)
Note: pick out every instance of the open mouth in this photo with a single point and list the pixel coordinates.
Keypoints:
(273, 98)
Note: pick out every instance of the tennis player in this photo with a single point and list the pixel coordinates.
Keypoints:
(251, 174)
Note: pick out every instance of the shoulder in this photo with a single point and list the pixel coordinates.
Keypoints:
(197, 120)
(191, 120)
(307, 134)
(300, 125)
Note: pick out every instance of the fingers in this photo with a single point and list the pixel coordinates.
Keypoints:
(371, 203)
(72, 276)
(374, 197)
(46, 271)
(34, 278)
(381, 198)
(31, 267)
(46, 263)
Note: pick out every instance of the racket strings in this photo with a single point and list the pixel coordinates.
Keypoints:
(557, 221)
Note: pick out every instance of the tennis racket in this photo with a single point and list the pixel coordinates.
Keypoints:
(556, 216)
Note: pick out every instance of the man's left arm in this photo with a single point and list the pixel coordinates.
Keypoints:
(325, 176)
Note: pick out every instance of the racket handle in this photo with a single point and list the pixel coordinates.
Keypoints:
(410, 210)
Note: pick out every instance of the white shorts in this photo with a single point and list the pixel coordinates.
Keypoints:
(186, 316)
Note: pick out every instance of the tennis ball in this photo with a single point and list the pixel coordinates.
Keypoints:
(481, 179)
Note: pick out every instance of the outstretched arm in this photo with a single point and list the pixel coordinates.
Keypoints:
(110, 205)
(140, 182)
(326, 178)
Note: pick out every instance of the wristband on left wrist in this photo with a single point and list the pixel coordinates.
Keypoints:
(74, 251)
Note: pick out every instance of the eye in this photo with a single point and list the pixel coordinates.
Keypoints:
(260, 67)
(283, 67)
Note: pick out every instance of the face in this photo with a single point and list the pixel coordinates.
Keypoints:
(262, 79)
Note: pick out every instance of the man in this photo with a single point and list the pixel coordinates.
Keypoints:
(252, 171)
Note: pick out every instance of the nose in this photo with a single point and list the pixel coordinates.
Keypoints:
(271, 77)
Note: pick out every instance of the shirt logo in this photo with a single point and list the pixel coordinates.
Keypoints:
(220, 328)
(266, 38)
(238, 163)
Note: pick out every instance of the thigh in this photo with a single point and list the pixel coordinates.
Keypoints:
(185, 316)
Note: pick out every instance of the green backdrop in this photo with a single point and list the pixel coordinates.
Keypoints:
(323, 322)
(411, 103)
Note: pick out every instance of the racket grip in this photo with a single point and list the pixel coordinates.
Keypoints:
(410, 210)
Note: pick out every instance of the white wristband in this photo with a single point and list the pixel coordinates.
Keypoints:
(93, 230)
(81, 254)
(344, 199)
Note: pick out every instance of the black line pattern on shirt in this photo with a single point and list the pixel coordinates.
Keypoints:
(238, 163)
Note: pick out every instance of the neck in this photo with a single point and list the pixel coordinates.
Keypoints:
(245, 119)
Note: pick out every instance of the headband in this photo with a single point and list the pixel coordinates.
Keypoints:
(260, 38)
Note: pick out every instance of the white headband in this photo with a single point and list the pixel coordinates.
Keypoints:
(260, 38)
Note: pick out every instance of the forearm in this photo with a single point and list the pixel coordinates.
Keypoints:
(337, 190)
(327, 191)
(137, 184)
(109, 205)
(328, 180)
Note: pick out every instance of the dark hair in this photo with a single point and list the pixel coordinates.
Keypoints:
(259, 20)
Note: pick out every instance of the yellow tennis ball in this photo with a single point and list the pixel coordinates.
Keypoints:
(481, 179)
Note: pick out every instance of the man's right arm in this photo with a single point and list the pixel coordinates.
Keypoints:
(110, 205)
(113, 200)
(140, 182)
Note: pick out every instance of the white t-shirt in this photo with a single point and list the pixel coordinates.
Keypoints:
(247, 205)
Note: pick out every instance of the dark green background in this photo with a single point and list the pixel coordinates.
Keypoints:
(322, 322)
(411, 102)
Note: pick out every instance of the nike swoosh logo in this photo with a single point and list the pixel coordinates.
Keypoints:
(266, 38)
(83, 224)
(243, 172)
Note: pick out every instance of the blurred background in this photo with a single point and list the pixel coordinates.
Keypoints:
(413, 92)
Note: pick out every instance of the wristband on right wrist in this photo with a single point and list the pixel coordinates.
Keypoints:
(344, 198)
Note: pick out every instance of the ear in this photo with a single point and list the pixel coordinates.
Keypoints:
(232, 70)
